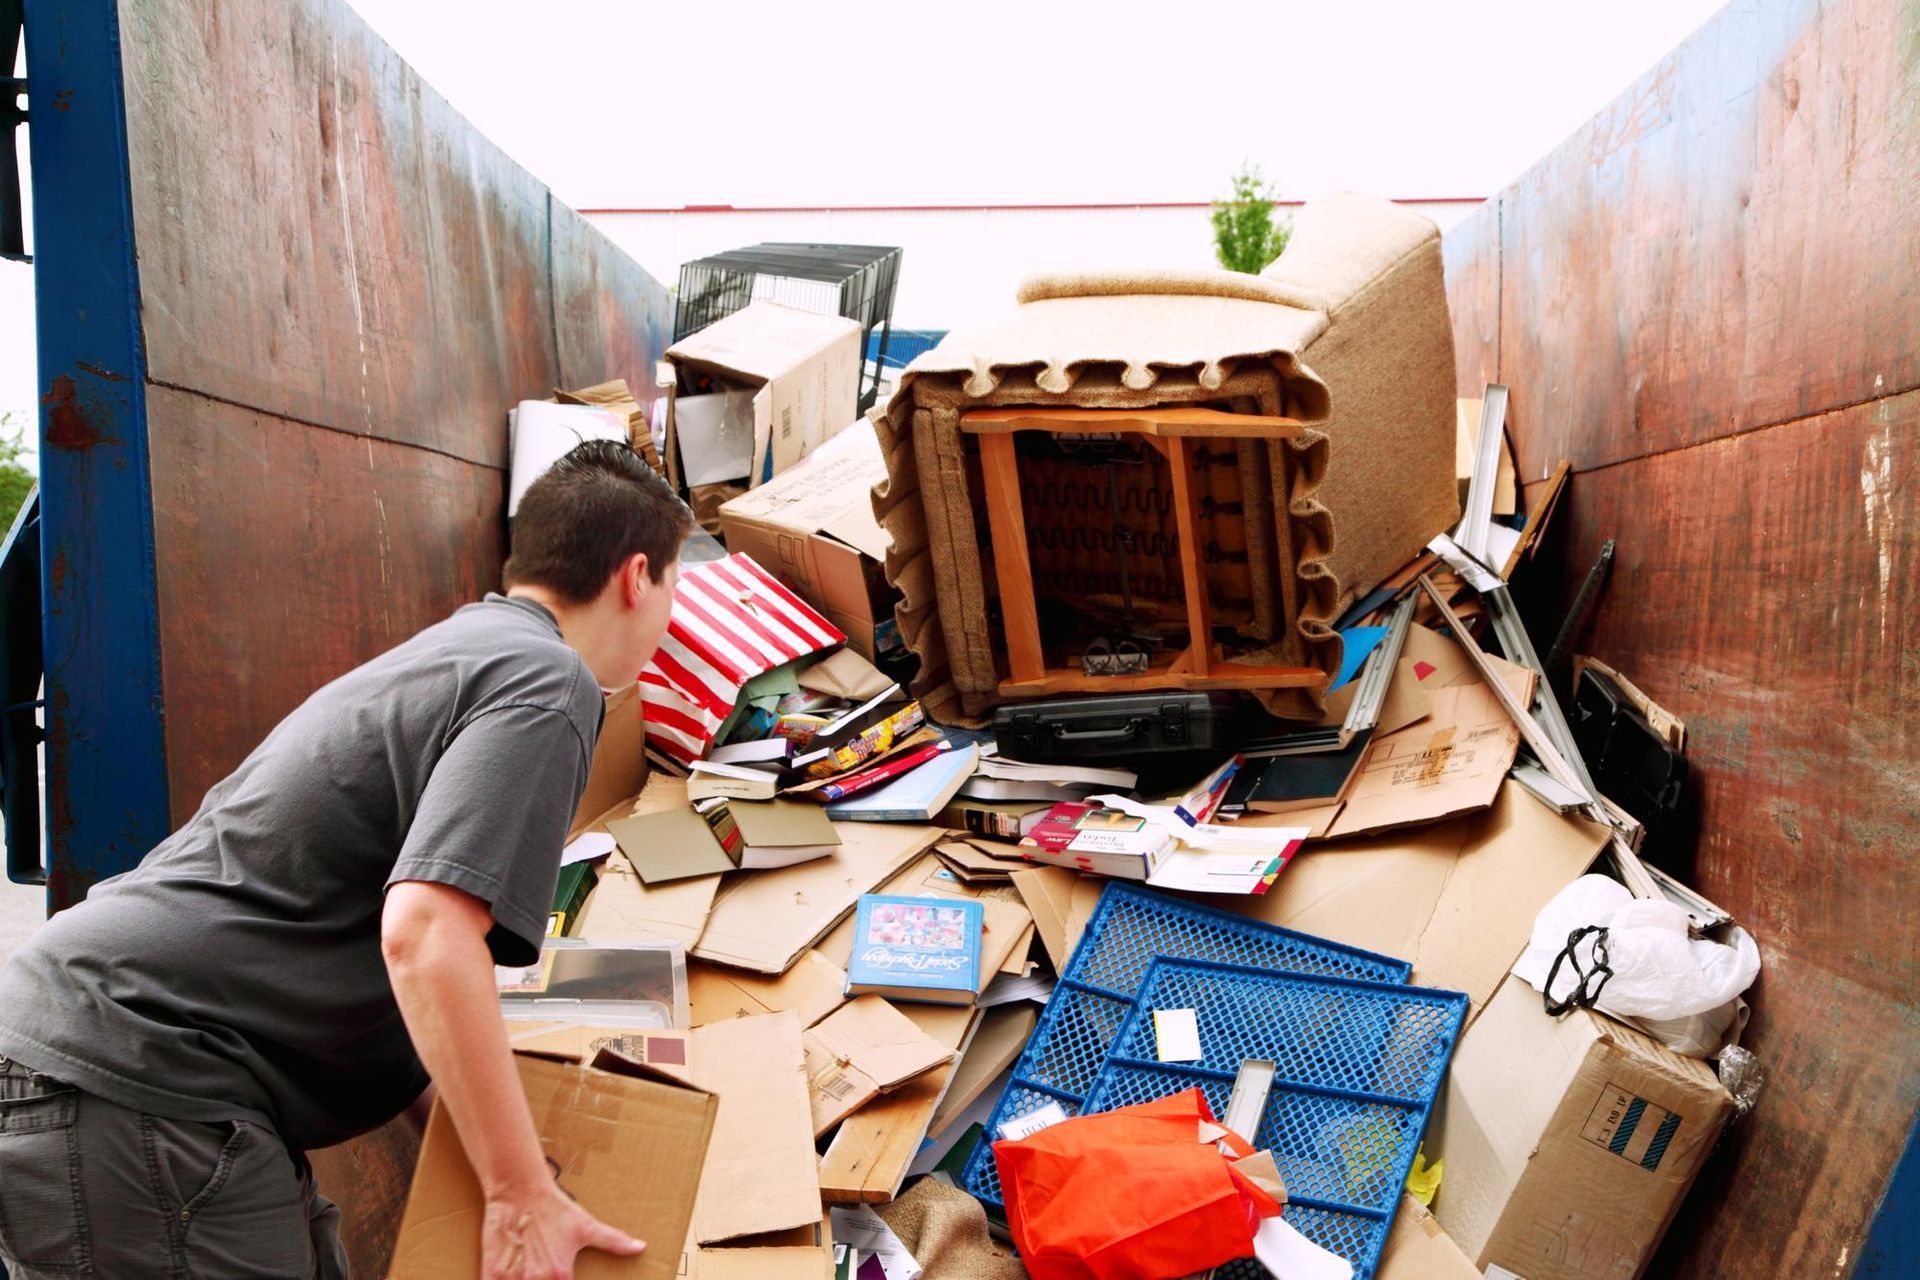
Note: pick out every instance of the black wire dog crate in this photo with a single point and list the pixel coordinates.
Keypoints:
(853, 280)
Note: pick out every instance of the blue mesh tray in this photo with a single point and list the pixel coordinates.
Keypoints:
(1130, 927)
(1357, 1066)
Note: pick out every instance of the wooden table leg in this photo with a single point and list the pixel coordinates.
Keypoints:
(1186, 507)
(1012, 563)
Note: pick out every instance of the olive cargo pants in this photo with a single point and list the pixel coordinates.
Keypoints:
(90, 1188)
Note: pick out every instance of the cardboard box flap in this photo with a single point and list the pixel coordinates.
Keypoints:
(619, 768)
(1453, 761)
(813, 988)
(761, 1173)
(764, 920)
(1417, 1249)
(761, 341)
(882, 1042)
(625, 1148)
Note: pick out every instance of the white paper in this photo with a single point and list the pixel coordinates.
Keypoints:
(594, 844)
(1007, 988)
(1207, 835)
(1213, 871)
(1176, 1033)
(862, 1228)
(1288, 1255)
(1033, 1122)
(543, 433)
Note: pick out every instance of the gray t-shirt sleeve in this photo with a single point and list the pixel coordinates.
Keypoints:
(494, 816)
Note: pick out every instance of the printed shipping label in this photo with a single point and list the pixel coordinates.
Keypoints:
(1630, 1127)
(1028, 1125)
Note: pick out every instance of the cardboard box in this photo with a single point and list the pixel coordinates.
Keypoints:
(1417, 1249)
(619, 770)
(803, 370)
(627, 1148)
(813, 526)
(1569, 1142)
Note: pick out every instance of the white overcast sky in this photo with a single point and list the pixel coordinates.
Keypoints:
(619, 103)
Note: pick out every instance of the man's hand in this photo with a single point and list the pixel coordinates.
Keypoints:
(536, 1236)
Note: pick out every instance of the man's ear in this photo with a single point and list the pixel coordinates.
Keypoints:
(635, 580)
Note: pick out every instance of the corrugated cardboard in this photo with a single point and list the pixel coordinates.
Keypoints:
(1417, 1249)
(792, 1262)
(1061, 902)
(626, 1147)
(622, 908)
(868, 1158)
(761, 1173)
(1569, 1142)
(861, 1051)
(803, 368)
(1453, 761)
(1003, 1033)
(813, 527)
(666, 1052)
(1457, 899)
(813, 988)
(619, 767)
(764, 920)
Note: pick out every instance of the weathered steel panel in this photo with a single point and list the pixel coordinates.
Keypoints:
(290, 554)
(321, 236)
(1734, 242)
(1471, 251)
(1707, 299)
(1766, 589)
(369, 1178)
(610, 319)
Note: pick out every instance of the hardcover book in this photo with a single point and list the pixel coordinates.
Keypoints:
(916, 949)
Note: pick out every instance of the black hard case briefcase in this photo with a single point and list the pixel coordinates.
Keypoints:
(1123, 725)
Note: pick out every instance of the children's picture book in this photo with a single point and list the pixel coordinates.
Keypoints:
(916, 948)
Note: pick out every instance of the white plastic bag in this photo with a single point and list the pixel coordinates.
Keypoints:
(1659, 973)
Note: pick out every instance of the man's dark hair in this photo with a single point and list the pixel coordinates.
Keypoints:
(597, 505)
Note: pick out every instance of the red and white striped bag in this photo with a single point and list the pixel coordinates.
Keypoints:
(732, 621)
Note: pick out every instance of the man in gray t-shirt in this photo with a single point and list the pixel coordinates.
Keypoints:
(288, 968)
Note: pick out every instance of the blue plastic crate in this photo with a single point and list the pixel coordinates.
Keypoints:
(1130, 928)
(1357, 1066)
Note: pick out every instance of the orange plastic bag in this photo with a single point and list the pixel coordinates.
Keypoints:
(1132, 1194)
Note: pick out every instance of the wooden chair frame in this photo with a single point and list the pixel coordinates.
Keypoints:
(1171, 432)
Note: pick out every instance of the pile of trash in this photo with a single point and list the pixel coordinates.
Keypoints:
(984, 919)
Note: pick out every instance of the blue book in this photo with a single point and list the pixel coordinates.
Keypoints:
(916, 949)
(913, 797)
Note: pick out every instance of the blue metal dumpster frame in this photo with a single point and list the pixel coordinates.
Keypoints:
(106, 798)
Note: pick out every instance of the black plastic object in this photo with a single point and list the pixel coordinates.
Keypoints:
(1123, 725)
(1632, 764)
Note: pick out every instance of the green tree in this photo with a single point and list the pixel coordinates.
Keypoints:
(16, 482)
(1245, 235)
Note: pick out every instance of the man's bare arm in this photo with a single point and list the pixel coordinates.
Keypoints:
(433, 937)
